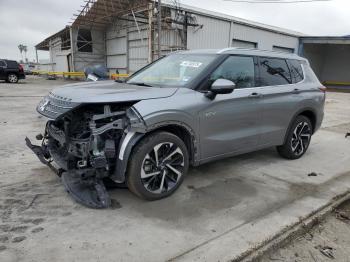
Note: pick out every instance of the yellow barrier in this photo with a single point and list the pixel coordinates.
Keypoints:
(76, 74)
(64, 74)
(115, 76)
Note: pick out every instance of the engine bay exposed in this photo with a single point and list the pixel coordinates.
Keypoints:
(83, 144)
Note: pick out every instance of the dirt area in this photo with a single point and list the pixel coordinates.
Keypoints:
(329, 240)
(223, 209)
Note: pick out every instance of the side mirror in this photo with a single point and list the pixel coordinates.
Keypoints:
(220, 86)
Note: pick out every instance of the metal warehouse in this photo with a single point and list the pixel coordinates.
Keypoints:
(126, 35)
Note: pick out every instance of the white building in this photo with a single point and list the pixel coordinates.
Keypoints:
(123, 35)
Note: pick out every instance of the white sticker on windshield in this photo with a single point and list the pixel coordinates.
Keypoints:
(191, 64)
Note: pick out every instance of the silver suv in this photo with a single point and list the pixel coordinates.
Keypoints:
(187, 108)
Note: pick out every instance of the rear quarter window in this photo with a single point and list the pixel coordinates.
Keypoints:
(2, 63)
(12, 64)
(274, 71)
(296, 71)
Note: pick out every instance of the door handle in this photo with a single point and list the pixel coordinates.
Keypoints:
(255, 95)
(296, 91)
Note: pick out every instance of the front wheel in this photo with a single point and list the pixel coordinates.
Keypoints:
(157, 166)
(298, 139)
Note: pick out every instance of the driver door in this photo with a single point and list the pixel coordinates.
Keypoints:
(230, 123)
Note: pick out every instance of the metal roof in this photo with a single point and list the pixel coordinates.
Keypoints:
(100, 13)
(45, 44)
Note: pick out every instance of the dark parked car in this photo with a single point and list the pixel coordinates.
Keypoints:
(187, 108)
(11, 71)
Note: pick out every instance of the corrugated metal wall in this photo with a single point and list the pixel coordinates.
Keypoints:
(138, 47)
(84, 59)
(217, 33)
(214, 34)
(265, 39)
(59, 61)
(116, 48)
(127, 45)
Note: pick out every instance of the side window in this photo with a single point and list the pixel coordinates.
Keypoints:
(12, 64)
(274, 71)
(238, 69)
(296, 71)
(2, 63)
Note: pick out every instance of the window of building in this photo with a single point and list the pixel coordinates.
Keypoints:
(274, 71)
(243, 44)
(238, 69)
(296, 71)
(84, 40)
(283, 49)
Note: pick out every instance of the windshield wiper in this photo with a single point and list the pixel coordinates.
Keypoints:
(139, 84)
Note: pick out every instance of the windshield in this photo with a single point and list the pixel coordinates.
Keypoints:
(173, 70)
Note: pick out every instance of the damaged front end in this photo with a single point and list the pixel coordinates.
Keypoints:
(87, 144)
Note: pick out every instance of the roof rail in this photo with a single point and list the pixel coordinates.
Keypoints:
(234, 48)
(253, 49)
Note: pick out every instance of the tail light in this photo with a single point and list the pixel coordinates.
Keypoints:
(20, 67)
(323, 89)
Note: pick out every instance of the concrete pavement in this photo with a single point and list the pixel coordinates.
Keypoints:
(223, 209)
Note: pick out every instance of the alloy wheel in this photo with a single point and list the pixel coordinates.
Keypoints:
(301, 138)
(162, 168)
(12, 78)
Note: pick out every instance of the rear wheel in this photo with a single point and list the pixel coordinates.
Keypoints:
(157, 166)
(12, 78)
(298, 139)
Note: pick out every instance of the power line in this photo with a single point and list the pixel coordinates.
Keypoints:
(276, 1)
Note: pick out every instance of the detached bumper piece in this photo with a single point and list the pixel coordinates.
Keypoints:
(90, 192)
(87, 189)
(44, 156)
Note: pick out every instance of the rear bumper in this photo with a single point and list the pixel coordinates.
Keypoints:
(21, 76)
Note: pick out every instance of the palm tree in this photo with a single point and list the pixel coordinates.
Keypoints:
(20, 47)
(25, 49)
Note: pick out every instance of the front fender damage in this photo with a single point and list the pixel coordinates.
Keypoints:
(89, 146)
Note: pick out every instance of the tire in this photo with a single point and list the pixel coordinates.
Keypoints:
(154, 177)
(298, 139)
(12, 78)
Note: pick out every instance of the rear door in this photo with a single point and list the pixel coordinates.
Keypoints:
(280, 99)
(231, 122)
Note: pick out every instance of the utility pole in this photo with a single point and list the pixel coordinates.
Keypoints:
(159, 18)
(150, 33)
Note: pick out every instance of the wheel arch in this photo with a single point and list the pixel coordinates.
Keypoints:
(184, 132)
(181, 130)
(307, 112)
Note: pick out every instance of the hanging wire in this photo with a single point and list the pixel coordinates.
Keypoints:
(275, 1)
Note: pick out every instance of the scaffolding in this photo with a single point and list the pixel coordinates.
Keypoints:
(150, 29)
(165, 25)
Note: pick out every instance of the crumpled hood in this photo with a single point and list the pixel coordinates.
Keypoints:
(109, 91)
